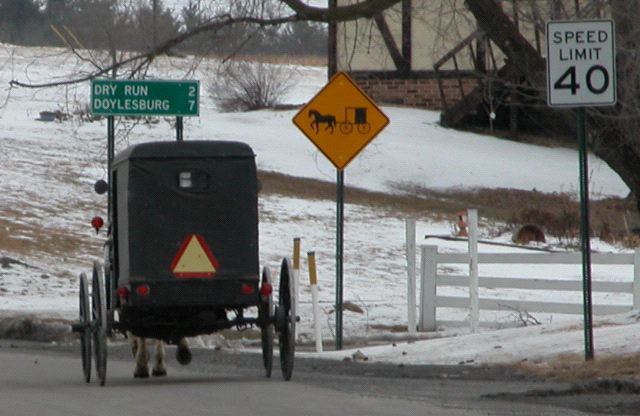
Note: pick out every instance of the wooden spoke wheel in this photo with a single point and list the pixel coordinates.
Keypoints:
(99, 314)
(286, 322)
(85, 324)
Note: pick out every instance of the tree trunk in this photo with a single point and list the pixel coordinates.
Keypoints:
(504, 33)
(612, 131)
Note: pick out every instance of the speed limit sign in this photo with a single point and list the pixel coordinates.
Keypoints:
(581, 68)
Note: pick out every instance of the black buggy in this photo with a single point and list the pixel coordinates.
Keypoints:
(182, 253)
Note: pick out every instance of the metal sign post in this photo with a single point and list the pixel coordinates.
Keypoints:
(339, 256)
(581, 72)
(179, 128)
(584, 233)
(340, 120)
(111, 138)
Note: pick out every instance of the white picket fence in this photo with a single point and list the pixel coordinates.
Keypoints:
(432, 281)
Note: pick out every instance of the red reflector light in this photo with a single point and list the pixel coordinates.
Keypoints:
(143, 290)
(246, 289)
(97, 223)
(122, 292)
(266, 289)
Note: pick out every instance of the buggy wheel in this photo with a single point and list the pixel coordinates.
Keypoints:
(99, 311)
(286, 321)
(85, 324)
(265, 317)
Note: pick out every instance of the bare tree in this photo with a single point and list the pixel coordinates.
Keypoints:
(613, 131)
(260, 14)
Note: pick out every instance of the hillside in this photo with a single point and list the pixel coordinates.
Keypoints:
(414, 168)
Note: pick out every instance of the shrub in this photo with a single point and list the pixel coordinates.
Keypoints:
(245, 86)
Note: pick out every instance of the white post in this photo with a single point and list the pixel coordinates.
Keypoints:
(636, 279)
(474, 310)
(313, 279)
(410, 226)
(428, 271)
(296, 280)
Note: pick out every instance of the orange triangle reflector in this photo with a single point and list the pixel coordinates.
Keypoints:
(194, 259)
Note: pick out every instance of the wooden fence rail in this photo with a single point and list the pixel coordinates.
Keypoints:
(431, 281)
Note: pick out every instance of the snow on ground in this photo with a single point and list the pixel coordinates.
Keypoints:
(612, 335)
(48, 169)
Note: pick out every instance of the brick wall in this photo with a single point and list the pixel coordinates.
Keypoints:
(414, 92)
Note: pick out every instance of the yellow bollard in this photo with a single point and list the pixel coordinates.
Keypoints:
(296, 280)
(296, 253)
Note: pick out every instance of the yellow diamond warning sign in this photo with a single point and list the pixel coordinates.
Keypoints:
(194, 259)
(341, 120)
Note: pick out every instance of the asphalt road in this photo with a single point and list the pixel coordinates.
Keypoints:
(43, 379)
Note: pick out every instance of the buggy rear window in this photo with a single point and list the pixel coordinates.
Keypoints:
(193, 179)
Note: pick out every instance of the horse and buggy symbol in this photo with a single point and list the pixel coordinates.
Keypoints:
(181, 254)
(353, 116)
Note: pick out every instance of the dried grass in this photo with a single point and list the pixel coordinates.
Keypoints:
(26, 239)
(401, 205)
(557, 214)
(573, 368)
(22, 235)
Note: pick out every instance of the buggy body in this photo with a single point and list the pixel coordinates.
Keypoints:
(185, 236)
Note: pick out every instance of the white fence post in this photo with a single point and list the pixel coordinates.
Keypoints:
(636, 279)
(313, 280)
(474, 309)
(410, 227)
(428, 271)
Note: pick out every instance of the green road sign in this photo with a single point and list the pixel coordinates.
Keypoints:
(144, 98)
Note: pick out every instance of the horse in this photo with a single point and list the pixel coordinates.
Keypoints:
(139, 350)
(318, 119)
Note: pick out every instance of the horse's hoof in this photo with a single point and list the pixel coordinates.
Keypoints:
(157, 372)
(141, 373)
(183, 355)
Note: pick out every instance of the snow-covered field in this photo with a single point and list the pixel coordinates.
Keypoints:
(47, 171)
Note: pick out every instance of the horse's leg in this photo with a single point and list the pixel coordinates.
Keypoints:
(133, 343)
(159, 367)
(183, 354)
(142, 360)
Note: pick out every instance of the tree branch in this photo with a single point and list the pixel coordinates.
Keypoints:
(301, 12)
(146, 57)
(365, 9)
